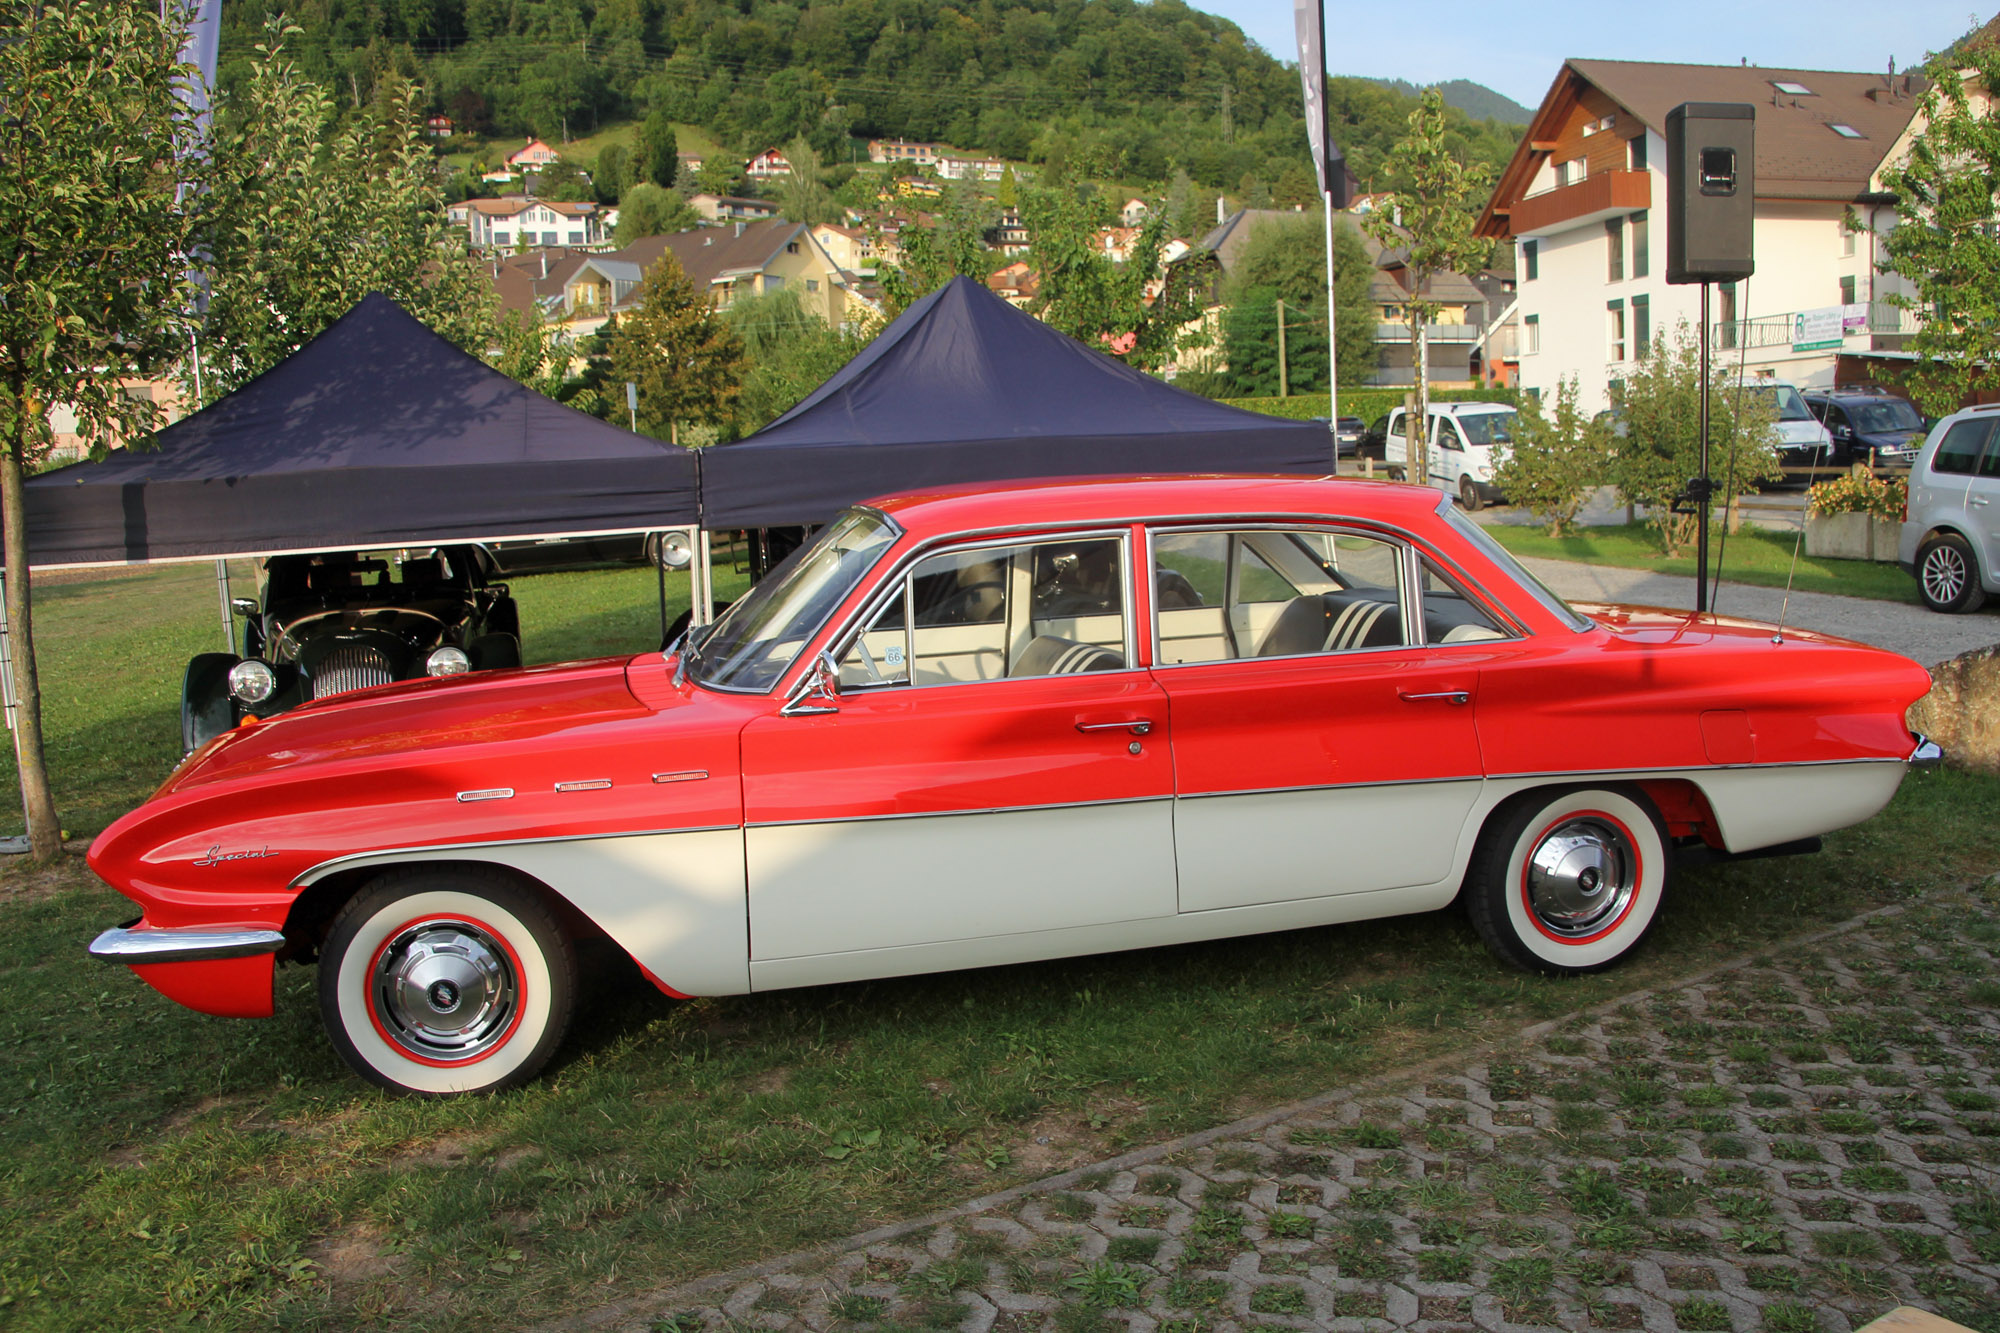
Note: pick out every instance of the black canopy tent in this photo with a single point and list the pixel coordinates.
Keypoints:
(965, 388)
(376, 433)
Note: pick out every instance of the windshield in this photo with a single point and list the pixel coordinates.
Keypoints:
(1487, 427)
(1504, 558)
(761, 635)
(1782, 399)
(1880, 418)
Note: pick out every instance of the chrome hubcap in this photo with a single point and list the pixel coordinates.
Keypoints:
(445, 990)
(1944, 575)
(1581, 877)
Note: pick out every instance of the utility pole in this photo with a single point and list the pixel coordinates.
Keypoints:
(1284, 380)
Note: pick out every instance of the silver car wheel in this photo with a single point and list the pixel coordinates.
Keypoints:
(1944, 575)
(1581, 877)
(444, 990)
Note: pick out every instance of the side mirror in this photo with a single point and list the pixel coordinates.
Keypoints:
(818, 691)
(243, 606)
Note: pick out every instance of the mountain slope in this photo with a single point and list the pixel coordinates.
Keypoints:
(1474, 99)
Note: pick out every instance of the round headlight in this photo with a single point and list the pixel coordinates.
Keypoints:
(448, 661)
(676, 551)
(252, 682)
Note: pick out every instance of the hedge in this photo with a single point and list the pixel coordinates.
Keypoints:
(1364, 403)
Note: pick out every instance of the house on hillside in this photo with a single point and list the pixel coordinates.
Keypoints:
(1134, 213)
(1452, 338)
(1115, 243)
(727, 263)
(901, 150)
(766, 165)
(1009, 235)
(516, 220)
(848, 247)
(690, 163)
(1583, 203)
(533, 280)
(971, 168)
(438, 127)
(534, 153)
(1017, 284)
(731, 208)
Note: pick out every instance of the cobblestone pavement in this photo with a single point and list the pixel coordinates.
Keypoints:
(1793, 1142)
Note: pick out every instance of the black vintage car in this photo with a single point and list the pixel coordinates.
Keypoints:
(343, 620)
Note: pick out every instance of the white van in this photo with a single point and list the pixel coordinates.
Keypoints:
(1462, 443)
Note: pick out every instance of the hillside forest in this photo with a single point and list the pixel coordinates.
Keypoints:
(1104, 88)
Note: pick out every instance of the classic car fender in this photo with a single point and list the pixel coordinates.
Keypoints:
(675, 901)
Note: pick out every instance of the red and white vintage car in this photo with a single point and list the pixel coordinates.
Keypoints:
(987, 726)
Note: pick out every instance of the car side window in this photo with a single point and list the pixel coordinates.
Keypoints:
(1447, 434)
(1272, 593)
(1449, 615)
(993, 612)
(1958, 452)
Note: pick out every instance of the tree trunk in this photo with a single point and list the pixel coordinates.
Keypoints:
(44, 829)
(1420, 337)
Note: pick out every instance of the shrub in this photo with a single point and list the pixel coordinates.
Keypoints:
(1555, 461)
(1860, 492)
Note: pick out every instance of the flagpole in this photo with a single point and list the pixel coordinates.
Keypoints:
(1309, 17)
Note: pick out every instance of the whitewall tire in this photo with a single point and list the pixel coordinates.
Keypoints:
(1569, 879)
(446, 981)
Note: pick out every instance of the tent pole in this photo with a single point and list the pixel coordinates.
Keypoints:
(222, 591)
(1332, 340)
(11, 846)
(702, 593)
(660, 568)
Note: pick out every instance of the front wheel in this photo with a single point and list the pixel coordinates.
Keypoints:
(1568, 880)
(1948, 574)
(446, 981)
(1468, 495)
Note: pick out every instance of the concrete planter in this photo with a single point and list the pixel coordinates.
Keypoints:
(1851, 537)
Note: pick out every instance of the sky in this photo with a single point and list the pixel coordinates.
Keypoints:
(1518, 51)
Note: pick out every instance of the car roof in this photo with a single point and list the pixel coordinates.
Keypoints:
(1120, 500)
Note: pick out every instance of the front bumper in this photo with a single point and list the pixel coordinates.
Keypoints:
(1927, 754)
(122, 944)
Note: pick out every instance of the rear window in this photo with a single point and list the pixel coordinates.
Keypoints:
(1958, 452)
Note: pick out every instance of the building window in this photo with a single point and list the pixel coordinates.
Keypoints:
(1615, 311)
(1531, 326)
(1847, 290)
(1846, 241)
(1568, 171)
(1614, 241)
(1642, 246)
(503, 237)
(792, 247)
(812, 284)
(1637, 148)
(576, 238)
(1531, 257)
(1615, 391)
(1642, 327)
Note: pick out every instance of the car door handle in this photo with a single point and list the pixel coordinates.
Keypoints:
(1138, 726)
(1977, 500)
(1453, 697)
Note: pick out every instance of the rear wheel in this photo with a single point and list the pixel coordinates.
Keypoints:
(1948, 574)
(1568, 880)
(446, 981)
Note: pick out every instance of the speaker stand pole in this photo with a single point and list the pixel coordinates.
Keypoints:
(1702, 489)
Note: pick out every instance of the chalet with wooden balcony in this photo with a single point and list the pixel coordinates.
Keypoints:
(1583, 203)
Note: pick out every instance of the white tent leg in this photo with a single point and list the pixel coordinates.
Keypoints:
(19, 846)
(228, 620)
(701, 591)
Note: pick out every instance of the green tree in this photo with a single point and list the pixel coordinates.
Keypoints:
(1556, 461)
(564, 182)
(803, 196)
(611, 174)
(790, 351)
(1285, 259)
(298, 223)
(657, 152)
(687, 362)
(1661, 445)
(93, 246)
(1433, 194)
(1946, 242)
(648, 210)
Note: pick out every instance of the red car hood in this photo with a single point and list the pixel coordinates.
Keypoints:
(426, 715)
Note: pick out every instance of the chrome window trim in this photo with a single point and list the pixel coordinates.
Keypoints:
(1410, 598)
(898, 583)
(121, 944)
(897, 533)
(1537, 592)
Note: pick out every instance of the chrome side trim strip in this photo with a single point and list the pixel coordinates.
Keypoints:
(487, 794)
(121, 945)
(957, 814)
(585, 784)
(314, 873)
(691, 775)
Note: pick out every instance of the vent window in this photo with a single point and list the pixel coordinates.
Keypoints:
(1792, 89)
(1848, 132)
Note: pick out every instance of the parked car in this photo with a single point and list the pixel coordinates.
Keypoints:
(1462, 440)
(344, 620)
(1348, 434)
(1802, 441)
(1950, 538)
(1375, 441)
(1867, 425)
(994, 724)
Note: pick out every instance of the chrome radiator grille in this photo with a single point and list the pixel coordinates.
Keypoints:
(351, 667)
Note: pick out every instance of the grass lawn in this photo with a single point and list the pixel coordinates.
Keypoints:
(1752, 556)
(166, 1169)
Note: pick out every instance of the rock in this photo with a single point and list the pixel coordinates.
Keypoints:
(1962, 711)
